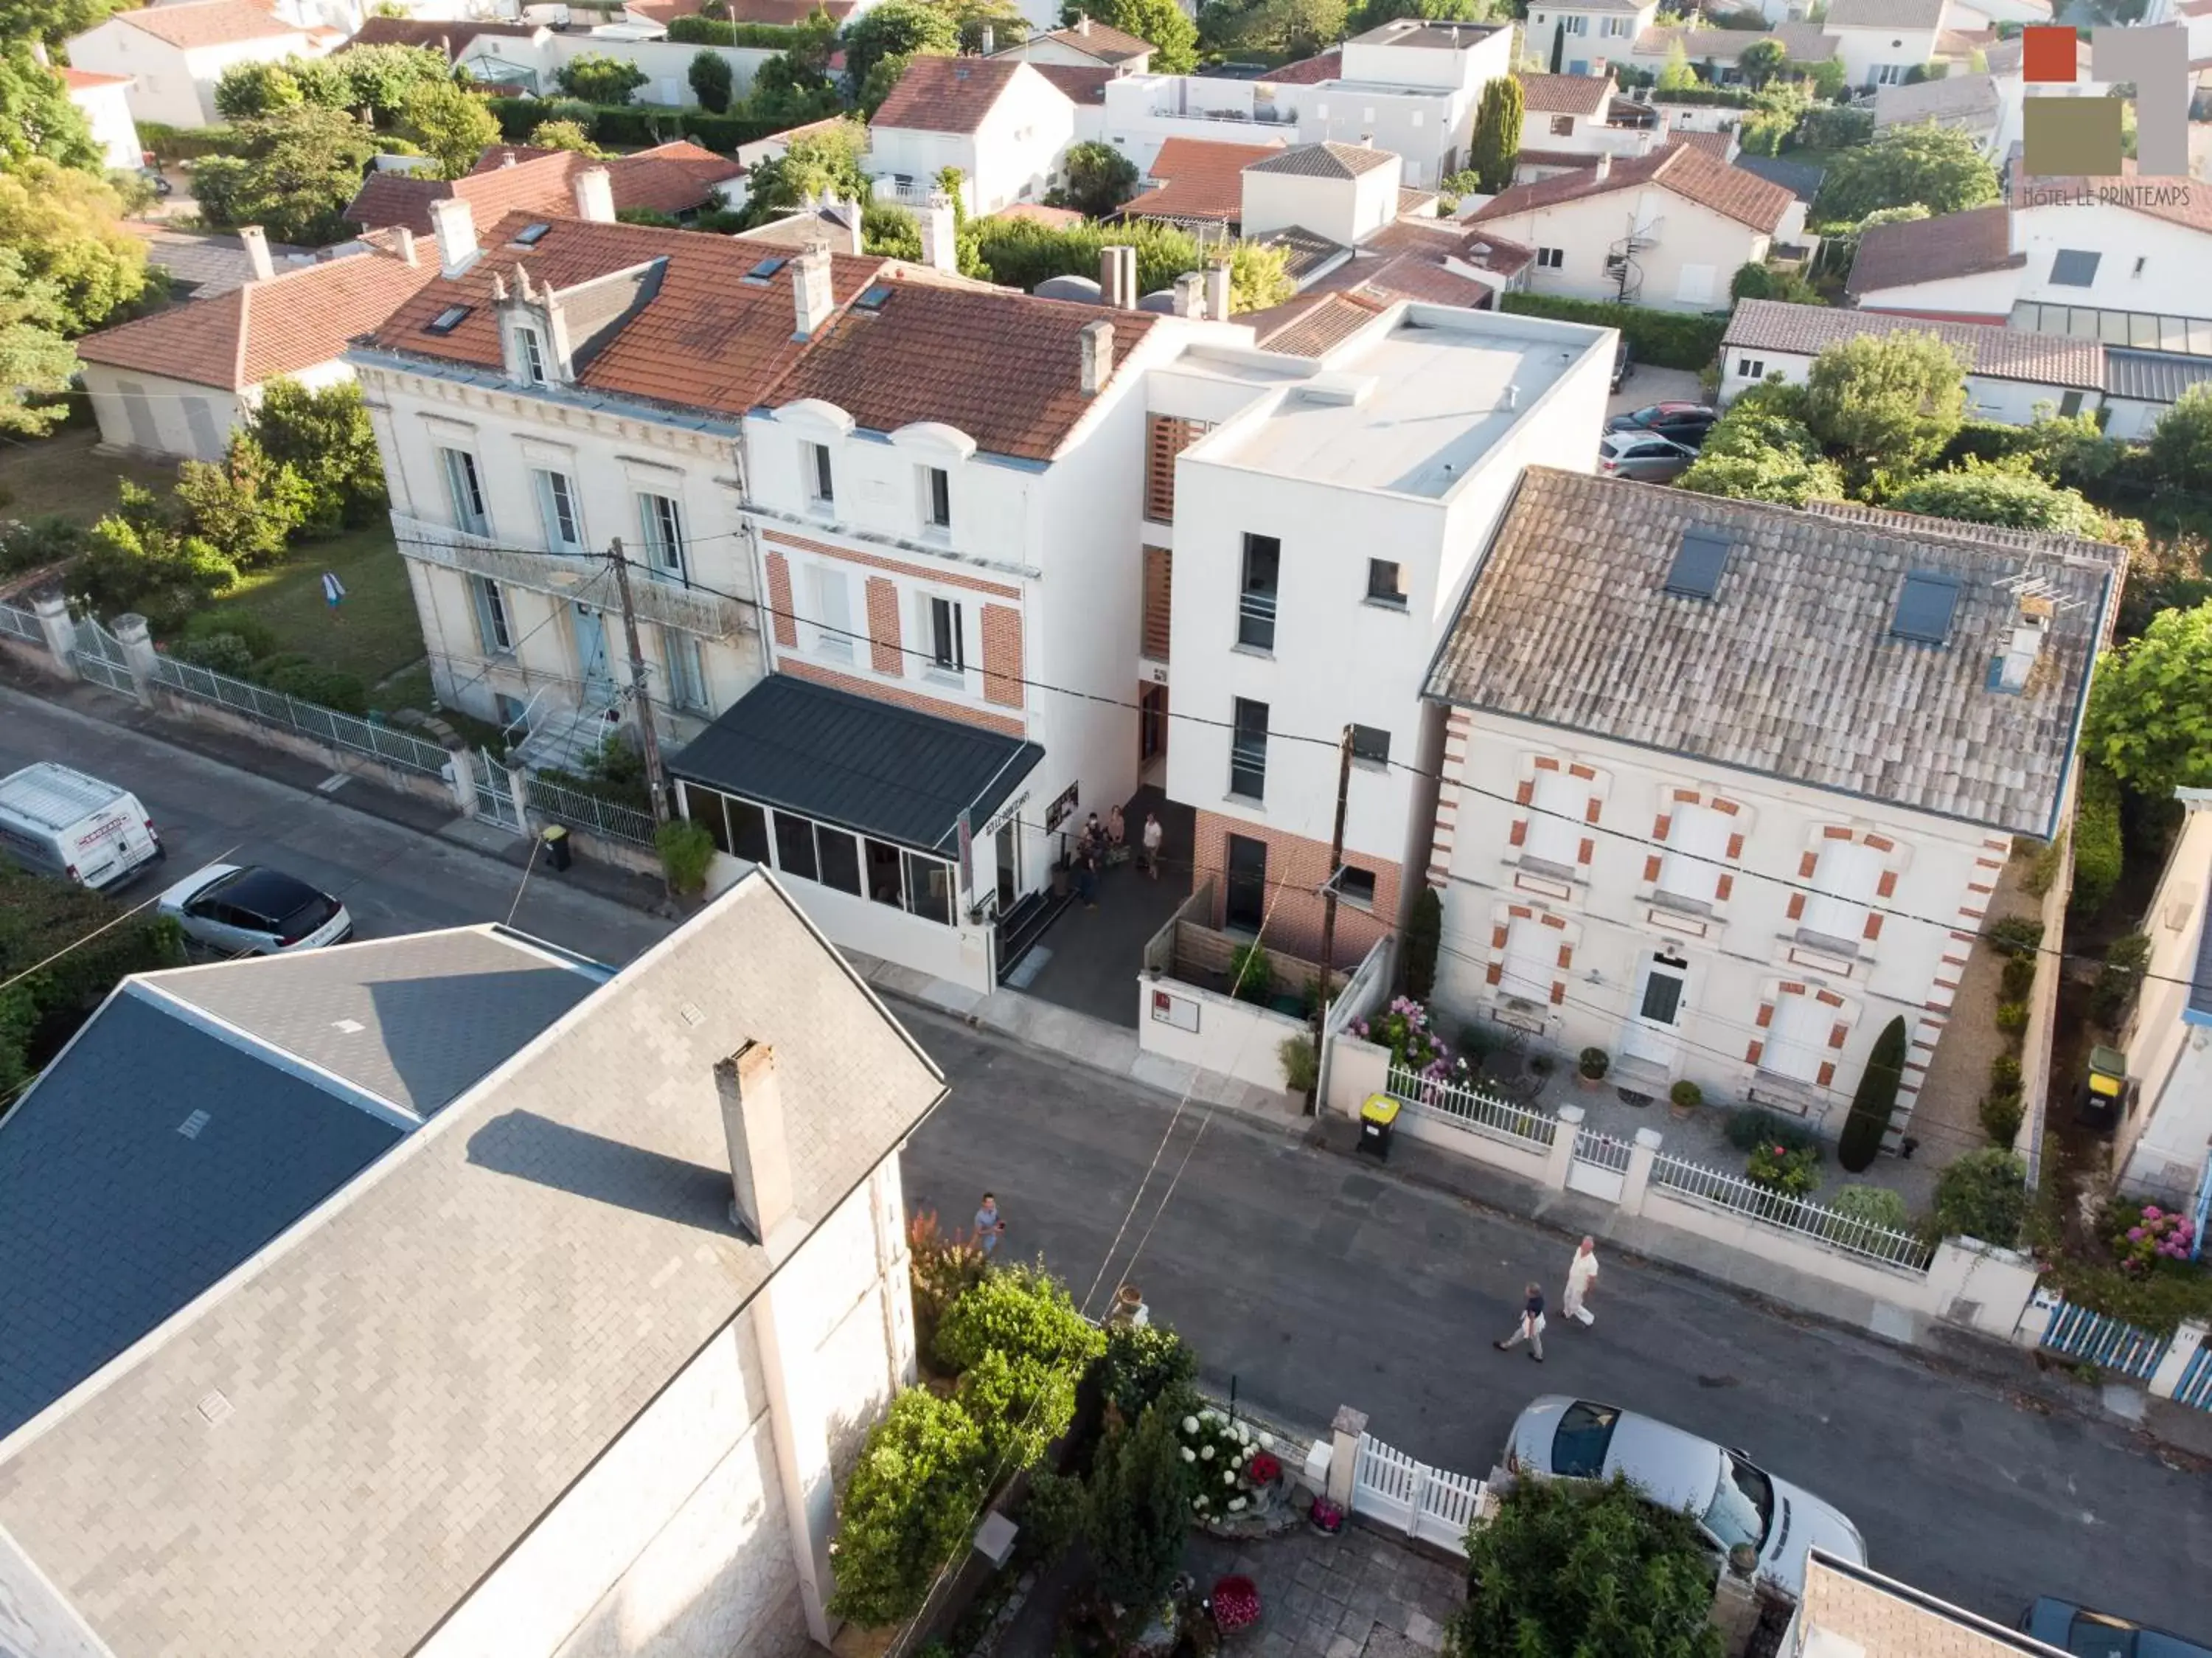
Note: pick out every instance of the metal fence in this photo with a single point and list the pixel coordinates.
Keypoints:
(1867, 1239)
(22, 624)
(590, 813)
(100, 657)
(494, 793)
(326, 725)
(2100, 1339)
(1595, 1146)
(1473, 1108)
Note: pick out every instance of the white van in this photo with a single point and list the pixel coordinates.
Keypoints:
(61, 822)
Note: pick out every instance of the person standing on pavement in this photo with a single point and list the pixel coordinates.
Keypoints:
(1531, 1327)
(989, 1228)
(1581, 1273)
(1153, 837)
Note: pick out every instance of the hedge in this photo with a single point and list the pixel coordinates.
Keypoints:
(1716, 97)
(2097, 848)
(1874, 1100)
(180, 143)
(711, 31)
(1666, 340)
(632, 124)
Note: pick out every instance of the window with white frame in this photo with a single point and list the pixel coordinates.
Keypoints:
(556, 508)
(494, 631)
(530, 354)
(830, 610)
(945, 637)
(1616, 26)
(661, 518)
(1797, 1039)
(1751, 368)
(1696, 854)
(686, 666)
(1556, 818)
(1890, 75)
(1532, 959)
(936, 497)
(465, 491)
(1844, 883)
(1574, 24)
(821, 481)
(1551, 258)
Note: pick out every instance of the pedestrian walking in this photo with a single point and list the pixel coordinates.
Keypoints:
(1153, 836)
(1084, 864)
(1581, 1273)
(989, 1228)
(1531, 1327)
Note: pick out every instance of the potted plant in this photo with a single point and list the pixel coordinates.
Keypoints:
(1539, 1066)
(1591, 1067)
(1325, 1516)
(1684, 1098)
(1235, 1604)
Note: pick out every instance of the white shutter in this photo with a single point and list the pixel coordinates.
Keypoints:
(1532, 959)
(1555, 818)
(1797, 1038)
(1844, 886)
(1697, 843)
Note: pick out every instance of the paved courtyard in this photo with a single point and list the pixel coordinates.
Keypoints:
(1357, 1592)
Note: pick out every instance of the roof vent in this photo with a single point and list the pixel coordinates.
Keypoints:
(190, 1127)
(446, 321)
(1925, 605)
(1699, 559)
(530, 234)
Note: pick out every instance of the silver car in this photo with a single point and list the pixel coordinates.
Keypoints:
(1732, 1499)
(250, 911)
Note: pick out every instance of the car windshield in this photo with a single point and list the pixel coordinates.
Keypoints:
(1579, 1443)
(2092, 1637)
(1743, 1508)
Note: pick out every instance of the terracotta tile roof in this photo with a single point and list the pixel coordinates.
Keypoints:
(1309, 71)
(1304, 252)
(1411, 200)
(1312, 324)
(1555, 158)
(1721, 46)
(1057, 218)
(294, 320)
(671, 178)
(947, 94)
(1566, 94)
(1683, 169)
(1082, 86)
(1993, 352)
(84, 80)
(2178, 201)
(453, 38)
(1915, 251)
(208, 22)
(1791, 670)
(1720, 146)
(1198, 179)
(1328, 160)
(1101, 40)
(1970, 99)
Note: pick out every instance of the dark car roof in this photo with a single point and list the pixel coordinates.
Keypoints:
(2052, 1620)
(270, 894)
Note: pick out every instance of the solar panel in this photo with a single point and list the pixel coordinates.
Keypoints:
(1699, 562)
(446, 321)
(530, 234)
(873, 299)
(766, 269)
(1924, 607)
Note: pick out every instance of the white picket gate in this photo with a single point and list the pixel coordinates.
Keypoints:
(1433, 1505)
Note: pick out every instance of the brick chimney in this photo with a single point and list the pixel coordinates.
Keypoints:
(256, 241)
(812, 295)
(753, 1129)
(940, 248)
(594, 191)
(1098, 348)
(456, 227)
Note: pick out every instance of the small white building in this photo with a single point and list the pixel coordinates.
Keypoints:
(1084, 44)
(2163, 1146)
(1344, 193)
(1958, 267)
(1716, 51)
(1668, 229)
(173, 55)
(1568, 121)
(1004, 124)
(176, 384)
(1585, 37)
(1971, 103)
(1882, 41)
(105, 101)
(1706, 803)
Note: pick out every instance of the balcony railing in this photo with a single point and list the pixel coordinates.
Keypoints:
(660, 599)
(1256, 620)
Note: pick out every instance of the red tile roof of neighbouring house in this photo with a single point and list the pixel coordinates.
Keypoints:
(84, 80)
(452, 38)
(947, 94)
(1309, 71)
(1914, 251)
(1565, 95)
(1101, 40)
(1684, 169)
(1312, 323)
(291, 321)
(671, 178)
(1996, 352)
(1198, 179)
(1082, 86)
(208, 22)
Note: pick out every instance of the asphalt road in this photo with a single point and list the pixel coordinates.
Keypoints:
(1315, 1283)
(393, 879)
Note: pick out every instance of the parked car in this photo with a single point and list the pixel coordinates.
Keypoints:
(1686, 422)
(247, 910)
(59, 822)
(2090, 1634)
(1643, 456)
(1624, 362)
(1733, 1499)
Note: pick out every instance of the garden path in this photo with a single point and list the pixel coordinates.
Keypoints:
(1358, 1595)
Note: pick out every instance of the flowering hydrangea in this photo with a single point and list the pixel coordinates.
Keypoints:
(1236, 1603)
(1403, 1027)
(2150, 1234)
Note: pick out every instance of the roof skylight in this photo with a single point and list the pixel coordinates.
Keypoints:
(872, 299)
(766, 269)
(446, 321)
(530, 234)
(1925, 605)
(1699, 562)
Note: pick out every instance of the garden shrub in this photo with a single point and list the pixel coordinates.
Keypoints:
(2012, 1017)
(2017, 936)
(1792, 1170)
(1667, 339)
(1300, 1070)
(1982, 1195)
(1686, 1094)
(2045, 868)
(2122, 972)
(224, 653)
(2001, 1111)
(2004, 1073)
(1706, 96)
(686, 850)
(941, 1267)
(1251, 974)
(2017, 979)
(1019, 1405)
(187, 144)
(2097, 848)
(1876, 1205)
(37, 543)
(1052, 1516)
(1748, 1127)
(1143, 1363)
(1424, 933)
(1404, 1029)
(1831, 127)
(714, 32)
(907, 1509)
(1022, 1311)
(1874, 1100)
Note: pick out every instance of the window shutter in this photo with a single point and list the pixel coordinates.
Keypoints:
(1166, 437)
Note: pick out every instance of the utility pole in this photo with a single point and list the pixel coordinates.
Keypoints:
(1329, 903)
(648, 743)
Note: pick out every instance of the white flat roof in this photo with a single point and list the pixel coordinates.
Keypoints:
(1413, 410)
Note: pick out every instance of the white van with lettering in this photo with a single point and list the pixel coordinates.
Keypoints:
(60, 822)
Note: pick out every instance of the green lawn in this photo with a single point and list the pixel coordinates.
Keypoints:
(61, 477)
(371, 635)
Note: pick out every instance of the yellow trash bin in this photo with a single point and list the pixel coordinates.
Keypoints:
(1378, 1121)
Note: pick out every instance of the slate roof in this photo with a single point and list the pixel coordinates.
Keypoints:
(1790, 671)
(672, 177)
(397, 1395)
(1328, 160)
(947, 94)
(205, 263)
(294, 320)
(1994, 353)
(208, 22)
(1914, 251)
(1691, 172)
(1886, 14)
(1309, 71)
(1565, 95)
(452, 38)
(2151, 376)
(1198, 178)
(870, 766)
(1801, 179)
(1304, 251)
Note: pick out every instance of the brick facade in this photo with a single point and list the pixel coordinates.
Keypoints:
(779, 602)
(900, 697)
(884, 654)
(1002, 656)
(937, 574)
(1296, 869)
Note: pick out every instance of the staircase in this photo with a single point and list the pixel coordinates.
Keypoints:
(566, 739)
(1022, 926)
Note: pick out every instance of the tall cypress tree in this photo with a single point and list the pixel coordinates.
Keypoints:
(1497, 143)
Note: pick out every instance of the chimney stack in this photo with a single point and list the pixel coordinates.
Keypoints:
(1604, 166)
(753, 1128)
(403, 244)
(594, 190)
(940, 249)
(506, 158)
(1117, 276)
(1217, 290)
(1097, 347)
(811, 294)
(2029, 630)
(456, 226)
(1083, 23)
(990, 39)
(1190, 294)
(257, 251)
(847, 215)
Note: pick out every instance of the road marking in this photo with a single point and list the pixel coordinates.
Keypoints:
(336, 781)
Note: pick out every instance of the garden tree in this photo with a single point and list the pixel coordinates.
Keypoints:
(711, 79)
(1259, 276)
(1006, 22)
(1100, 178)
(825, 163)
(2100, 850)
(1874, 1100)
(2181, 443)
(1424, 934)
(907, 1509)
(36, 115)
(598, 79)
(139, 560)
(1373, 14)
(323, 436)
(1173, 35)
(247, 91)
(896, 28)
(293, 174)
(66, 228)
(52, 21)
(36, 364)
(562, 134)
(1497, 142)
(452, 126)
(1761, 450)
(1755, 280)
(1941, 168)
(1829, 77)
(1675, 75)
(1884, 405)
(1575, 1571)
(1775, 114)
(816, 42)
(1982, 1195)
(2150, 706)
(1138, 1509)
(246, 506)
(1761, 61)
(889, 231)
(786, 89)
(2007, 492)
(376, 79)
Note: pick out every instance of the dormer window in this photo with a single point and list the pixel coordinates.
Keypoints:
(530, 356)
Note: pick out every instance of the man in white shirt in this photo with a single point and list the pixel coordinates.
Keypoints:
(1581, 1273)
